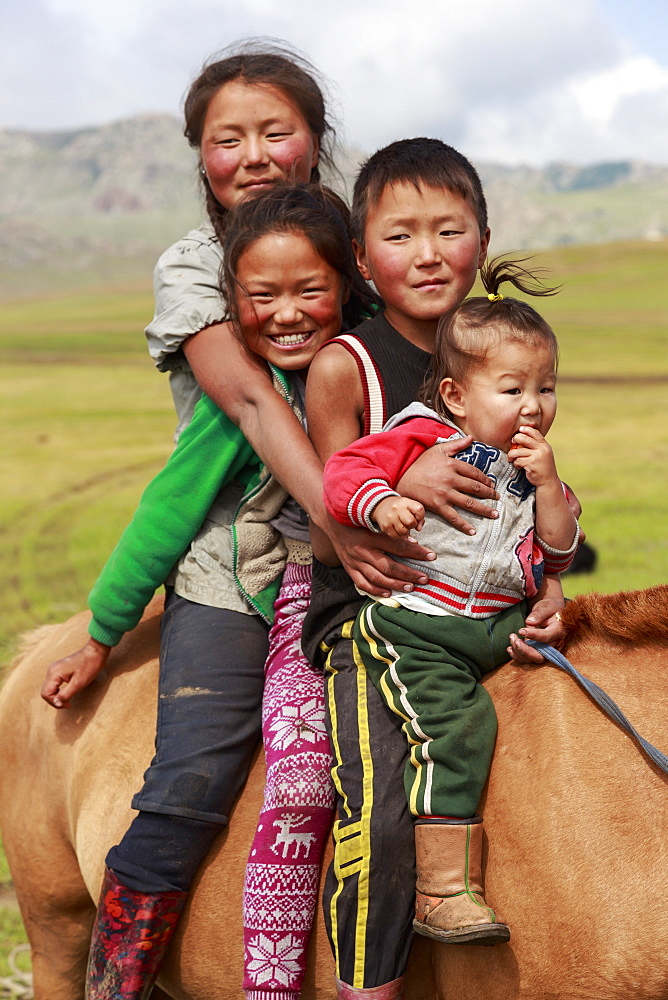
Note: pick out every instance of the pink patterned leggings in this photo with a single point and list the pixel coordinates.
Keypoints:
(281, 886)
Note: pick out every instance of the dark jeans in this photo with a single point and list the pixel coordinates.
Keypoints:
(209, 725)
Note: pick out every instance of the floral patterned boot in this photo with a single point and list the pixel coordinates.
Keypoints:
(130, 937)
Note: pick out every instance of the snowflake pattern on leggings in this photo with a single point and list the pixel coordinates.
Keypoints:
(281, 886)
(274, 960)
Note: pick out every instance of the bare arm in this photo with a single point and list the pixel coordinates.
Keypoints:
(242, 388)
(334, 407)
(555, 522)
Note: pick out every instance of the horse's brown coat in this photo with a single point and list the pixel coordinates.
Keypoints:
(575, 816)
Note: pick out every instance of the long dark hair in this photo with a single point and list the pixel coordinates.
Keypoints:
(265, 61)
(309, 210)
(464, 335)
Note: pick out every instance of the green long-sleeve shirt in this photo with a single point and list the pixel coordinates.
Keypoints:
(211, 453)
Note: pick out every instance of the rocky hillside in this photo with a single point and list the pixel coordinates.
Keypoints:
(563, 204)
(98, 204)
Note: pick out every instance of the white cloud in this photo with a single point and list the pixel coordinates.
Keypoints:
(107, 23)
(599, 94)
(527, 81)
(537, 82)
(618, 113)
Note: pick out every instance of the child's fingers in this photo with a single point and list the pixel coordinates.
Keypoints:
(552, 632)
(411, 513)
(521, 460)
(405, 521)
(72, 687)
(390, 524)
(544, 610)
(375, 572)
(529, 433)
(544, 623)
(396, 529)
(521, 653)
(73, 673)
(528, 441)
(52, 689)
(397, 519)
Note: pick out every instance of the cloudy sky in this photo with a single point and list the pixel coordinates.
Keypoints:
(516, 81)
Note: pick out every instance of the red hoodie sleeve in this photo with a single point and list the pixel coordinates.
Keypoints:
(357, 478)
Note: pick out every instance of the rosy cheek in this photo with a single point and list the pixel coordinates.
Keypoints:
(221, 163)
(385, 265)
(293, 158)
(249, 320)
(464, 259)
(327, 313)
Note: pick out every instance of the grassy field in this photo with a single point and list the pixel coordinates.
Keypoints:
(89, 422)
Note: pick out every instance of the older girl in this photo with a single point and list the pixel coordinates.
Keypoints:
(220, 529)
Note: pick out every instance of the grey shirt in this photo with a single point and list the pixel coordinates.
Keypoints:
(188, 298)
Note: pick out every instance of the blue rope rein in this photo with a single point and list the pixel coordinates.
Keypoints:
(603, 700)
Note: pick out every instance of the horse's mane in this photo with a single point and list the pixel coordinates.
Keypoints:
(636, 617)
(26, 643)
(29, 640)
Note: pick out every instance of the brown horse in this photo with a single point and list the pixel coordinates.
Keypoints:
(577, 857)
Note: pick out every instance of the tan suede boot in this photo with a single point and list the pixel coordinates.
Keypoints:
(449, 903)
(388, 991)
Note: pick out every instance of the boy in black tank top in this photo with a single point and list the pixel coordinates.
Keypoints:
(391, 371)
(420, 224)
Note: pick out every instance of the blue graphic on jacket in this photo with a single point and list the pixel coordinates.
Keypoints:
(483, 456)
(520, 485)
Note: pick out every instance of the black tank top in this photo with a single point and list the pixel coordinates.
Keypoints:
(392, 371)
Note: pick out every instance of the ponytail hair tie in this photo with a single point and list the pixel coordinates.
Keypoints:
(495, 297)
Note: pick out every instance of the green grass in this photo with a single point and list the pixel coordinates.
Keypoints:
(611, 314)
(611, 444)
(101, 325)
(5, 877)
(12, 934)
(85, 441)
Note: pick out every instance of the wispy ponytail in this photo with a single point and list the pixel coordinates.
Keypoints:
(465, 335)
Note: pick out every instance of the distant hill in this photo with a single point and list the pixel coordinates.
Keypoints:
(563, 204)
(97, 205)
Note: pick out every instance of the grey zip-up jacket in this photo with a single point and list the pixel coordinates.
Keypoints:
(476, 576)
